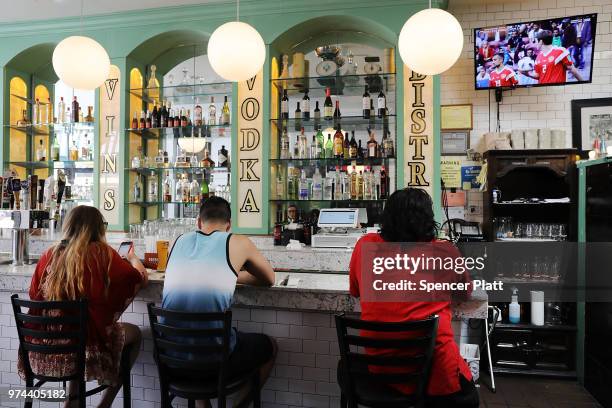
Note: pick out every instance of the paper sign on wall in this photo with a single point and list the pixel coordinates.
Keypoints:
(110, 107)
(450, 171)
(250, 153)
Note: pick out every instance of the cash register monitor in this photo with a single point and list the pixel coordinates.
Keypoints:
(338, 218)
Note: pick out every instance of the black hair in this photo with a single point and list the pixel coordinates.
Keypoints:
(500, 55)
(546, 37)
(215, 209)
(408, 217)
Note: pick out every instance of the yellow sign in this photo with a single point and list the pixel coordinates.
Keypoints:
(450, 171)
(456, 117)
(250, 153)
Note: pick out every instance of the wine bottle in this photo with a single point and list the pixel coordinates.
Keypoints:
(353, 147)
(382, 104)
(285, 105)
(143, 122)
(372, 144)
(320, 145)
(328, 106)
(360, 153)
(135, 121)
(346, 146)
(184, 120)
(75, 110)
(372, 113)
(317, 115)
(197, 112)
(225, 113)
(338, 144)
(298, 118)
(154, 116)
(306, 106)
(384, 183)
(365, 103)
(148, 120)
(337, 114)
(329, 147)
(163, 117)
(61, 111)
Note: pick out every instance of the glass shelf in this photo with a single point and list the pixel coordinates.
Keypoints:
(47, 128)
(382, 200)
(367, 161)
(350, 85)
(346, 123)
(87, 164)
(148, 170)
(207, 131)
(28, 100)
(154, 203)
(180, 93)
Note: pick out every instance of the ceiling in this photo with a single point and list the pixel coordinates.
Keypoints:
(24, 10)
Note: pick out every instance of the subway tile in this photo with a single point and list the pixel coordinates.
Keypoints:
(263, 315)
(316, 374)
(302, 332)
(317, 401)
(288, 317)
(302, 359)
(276, 330)
(290, 398)
(316, 346)
(317, 319)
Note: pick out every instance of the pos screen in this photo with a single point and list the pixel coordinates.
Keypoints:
(345, 218)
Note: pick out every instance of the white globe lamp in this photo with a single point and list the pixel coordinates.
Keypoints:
(431, 41)
(236, 51)
(81, 62)
(192, 144)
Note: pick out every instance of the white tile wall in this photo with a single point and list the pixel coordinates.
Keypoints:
(527, 107)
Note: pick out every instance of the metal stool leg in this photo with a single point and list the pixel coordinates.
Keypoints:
(125, 377)
(486, 320)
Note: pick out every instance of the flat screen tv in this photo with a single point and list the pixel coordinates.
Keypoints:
(555, 51)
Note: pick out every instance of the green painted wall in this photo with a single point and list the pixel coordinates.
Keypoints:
(155, 36)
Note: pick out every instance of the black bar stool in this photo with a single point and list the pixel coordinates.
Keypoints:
(406, 351)
(68, 330)
(193, 363)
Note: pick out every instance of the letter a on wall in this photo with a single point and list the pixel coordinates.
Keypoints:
(250, 153)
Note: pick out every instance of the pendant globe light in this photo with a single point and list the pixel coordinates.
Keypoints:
(236, 50)
(81, 62)
(431, 41)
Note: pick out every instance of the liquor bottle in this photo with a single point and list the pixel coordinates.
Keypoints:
(360, 185)
(280, 185)
(302, 145)
(338, 144)
(159, 159)
(317, 185)
(296, 148)
(204, 190)
(84, 148)
(74, 152)
(148, 123)
(365, 103)
(354, 183)
(197, 112)
(36, 112)
(136, 160)
(75, 110)
(167, 188)
(206, 161)
(328, 107)
(186, 186)
(194, 191)
(177, 118)
(382, 104)
(223, 158)
(346, 185)
(367, 185)
(178, 189)
(278, 228)
(338, 177)
(353, 147)
(303, 186)
(306, 106)
(328, 185)
(184, 120)
(154, 117)
(166, 159)
(81, 117)
(41, 152)
(137, 190)
(163, 121)
(225, 113)
(135, 121)
(314, 153)
(61, 111)
(212, 112)
(372, 144)
(143, 123)
(360, 152)
(337, 114)
(372, 112)
(384, 182)
(389, 146)
(89, 150)
(152, 188)
(298, 118)
(55, 149)
(291, 183)
(346, 146)
(285, 105)
(284, 151)
(320, 145)
(317, 115)
(50, 116)
(158, 115)
(329, 147)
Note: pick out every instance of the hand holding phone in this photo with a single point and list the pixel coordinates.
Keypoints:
(125, 248)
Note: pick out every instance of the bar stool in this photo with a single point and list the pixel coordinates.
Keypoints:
(68, 330)
(192, 369)
(406, 354)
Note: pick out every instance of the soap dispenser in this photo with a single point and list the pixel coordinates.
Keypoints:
(515, 308)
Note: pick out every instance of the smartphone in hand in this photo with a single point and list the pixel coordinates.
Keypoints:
(125, 248)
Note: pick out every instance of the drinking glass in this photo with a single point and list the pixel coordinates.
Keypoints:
(536, 267)
(554, 231)
(529, 230)
(562, 232)
(546, 234)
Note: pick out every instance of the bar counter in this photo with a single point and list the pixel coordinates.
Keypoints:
(299, 317)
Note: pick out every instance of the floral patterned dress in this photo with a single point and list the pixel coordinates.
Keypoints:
(105, 337)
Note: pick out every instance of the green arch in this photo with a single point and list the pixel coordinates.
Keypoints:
(35, 60)
(168, 48)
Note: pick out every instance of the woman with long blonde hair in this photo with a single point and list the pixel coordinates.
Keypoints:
(83, 265)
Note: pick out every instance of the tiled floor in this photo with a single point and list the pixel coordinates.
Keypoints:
(526, 392)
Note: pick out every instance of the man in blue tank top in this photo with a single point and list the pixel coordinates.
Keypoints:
(203, 269)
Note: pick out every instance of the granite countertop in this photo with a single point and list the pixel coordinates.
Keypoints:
(302, 291)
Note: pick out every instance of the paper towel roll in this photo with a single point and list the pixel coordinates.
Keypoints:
(544, 141)
(517, 136)
(558, 139)
(537, 307)
(531, 139)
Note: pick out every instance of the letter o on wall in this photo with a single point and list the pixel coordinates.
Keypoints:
(250, 109)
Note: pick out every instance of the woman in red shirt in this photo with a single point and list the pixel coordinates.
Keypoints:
(83, 265)
(408, 217)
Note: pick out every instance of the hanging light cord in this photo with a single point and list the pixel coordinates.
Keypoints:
(429, 3)
(82, 7)
(238, 10)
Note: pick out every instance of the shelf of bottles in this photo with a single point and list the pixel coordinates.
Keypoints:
(183, 135)
(50, 143)
(333, 141)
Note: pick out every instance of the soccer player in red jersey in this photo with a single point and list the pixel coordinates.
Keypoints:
(552, 62)
(501, 75)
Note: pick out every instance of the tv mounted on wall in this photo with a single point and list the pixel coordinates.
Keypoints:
(554, 51)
